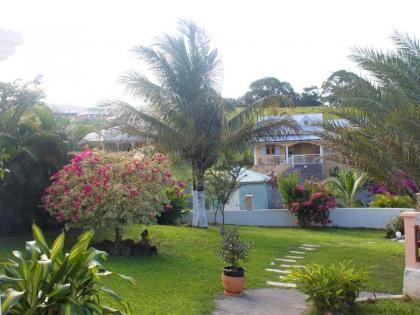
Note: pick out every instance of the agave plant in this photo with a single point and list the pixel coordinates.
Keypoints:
(44, 280)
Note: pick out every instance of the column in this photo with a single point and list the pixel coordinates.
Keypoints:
(287, 154)
(255, 156)
(321, 152)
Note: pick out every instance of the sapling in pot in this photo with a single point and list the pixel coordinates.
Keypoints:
(233, 250)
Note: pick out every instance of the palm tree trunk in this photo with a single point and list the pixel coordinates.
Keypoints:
(199, 199)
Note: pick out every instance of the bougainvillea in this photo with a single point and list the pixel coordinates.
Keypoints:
(103, 189)
(308, 201)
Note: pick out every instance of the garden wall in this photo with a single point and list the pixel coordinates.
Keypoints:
(375, 218)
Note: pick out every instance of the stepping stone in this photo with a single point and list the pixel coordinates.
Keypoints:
(291, 266)
(306, 248)
(296, 252)
(282, 277)
(310, 245)
(282, 284)
(286, 260)
(294, 257)
(278, 270)
(272, 263)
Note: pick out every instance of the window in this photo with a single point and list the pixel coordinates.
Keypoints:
(270, 149)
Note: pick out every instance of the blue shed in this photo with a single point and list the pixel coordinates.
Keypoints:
(255, 184)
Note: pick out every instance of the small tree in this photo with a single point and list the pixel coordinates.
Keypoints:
(108, 190)
(232, 249)
(223, 184)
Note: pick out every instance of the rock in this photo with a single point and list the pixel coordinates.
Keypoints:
(126, 247)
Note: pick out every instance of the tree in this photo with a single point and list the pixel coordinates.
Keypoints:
(311, 96)
(223, 183)
(340, 79)
(345, 187)
(267, 87)
(33, 145)
(101, 189)
(382, 133)
(187, 115)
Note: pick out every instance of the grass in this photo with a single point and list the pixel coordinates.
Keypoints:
(390, 307)
(185, 277)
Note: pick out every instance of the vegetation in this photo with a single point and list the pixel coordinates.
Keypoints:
(186, 276)
(396, 225)
(44, 280)
(308, 202)
(103, 189)
(332, 289)
(391, 201)
(176, 207)
(383, 112)
(345, 186)
(221, 186)
(232, 249)
(32, 146)
(187, 115)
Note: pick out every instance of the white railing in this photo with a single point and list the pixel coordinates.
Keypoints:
(271, 160)
(305, 159)
(296, 159)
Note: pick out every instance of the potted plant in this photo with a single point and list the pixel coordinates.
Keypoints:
(232, 250)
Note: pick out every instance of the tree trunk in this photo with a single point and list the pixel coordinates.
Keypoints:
(199, 200)
(118, 235)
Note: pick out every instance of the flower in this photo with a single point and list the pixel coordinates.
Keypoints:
(87, 190)
(300, 188)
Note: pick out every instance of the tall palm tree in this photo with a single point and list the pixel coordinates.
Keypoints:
(186, 113)
(345, 186)
(382, 136)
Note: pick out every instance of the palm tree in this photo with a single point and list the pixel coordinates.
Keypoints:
(186, 114)
(382, 136)
(345, 186)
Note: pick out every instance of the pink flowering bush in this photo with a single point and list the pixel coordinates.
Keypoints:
(108, 190)
(309, 202)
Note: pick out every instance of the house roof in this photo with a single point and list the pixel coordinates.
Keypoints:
(109, 135)
(308, 127)
(249, 176)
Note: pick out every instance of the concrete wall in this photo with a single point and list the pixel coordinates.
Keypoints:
(375, 218)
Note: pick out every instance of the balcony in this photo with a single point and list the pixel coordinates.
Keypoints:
(297, 159)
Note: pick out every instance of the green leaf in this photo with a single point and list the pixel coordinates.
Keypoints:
(57, 247)
(39, 237)
(59, 290)
(32, 248)
(117, 298)
(80, 246)
(9, 299)
(40, 271)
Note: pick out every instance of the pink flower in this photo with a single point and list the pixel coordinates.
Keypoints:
(300, 188)
(316, 195)
(87, 190)
(60, 216)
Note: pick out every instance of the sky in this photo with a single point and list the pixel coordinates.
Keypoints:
(82, 47)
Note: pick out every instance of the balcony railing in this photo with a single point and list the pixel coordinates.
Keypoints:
(296, 159)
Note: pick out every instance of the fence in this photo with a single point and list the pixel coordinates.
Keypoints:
(375, 218)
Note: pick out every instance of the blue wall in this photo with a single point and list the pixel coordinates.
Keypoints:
(258, 190)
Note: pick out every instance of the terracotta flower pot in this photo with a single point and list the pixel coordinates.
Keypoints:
(233, 280)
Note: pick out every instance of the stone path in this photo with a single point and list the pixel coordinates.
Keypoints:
(288, 262)
(267, 301)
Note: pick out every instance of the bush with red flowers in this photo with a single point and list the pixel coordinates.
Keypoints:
(109, 189)
(308, 201)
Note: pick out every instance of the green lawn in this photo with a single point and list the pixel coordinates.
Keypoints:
(185, 277)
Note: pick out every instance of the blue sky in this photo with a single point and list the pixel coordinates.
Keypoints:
(82, 47)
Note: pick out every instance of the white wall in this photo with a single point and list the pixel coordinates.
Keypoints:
(376, 218)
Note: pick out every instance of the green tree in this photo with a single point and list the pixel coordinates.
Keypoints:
(186, 114)
(382, 133)
(345, 186)
(33, 146)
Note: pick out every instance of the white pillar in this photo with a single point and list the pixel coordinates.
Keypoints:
(321, 152)
(287, 153)
(255, 156)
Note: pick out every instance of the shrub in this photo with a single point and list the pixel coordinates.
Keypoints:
(44, 280)
(176, 208)
(332, 289)
(390, 201)
(232, 249)
(308, 202)
(396, 225)
(108, 190)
